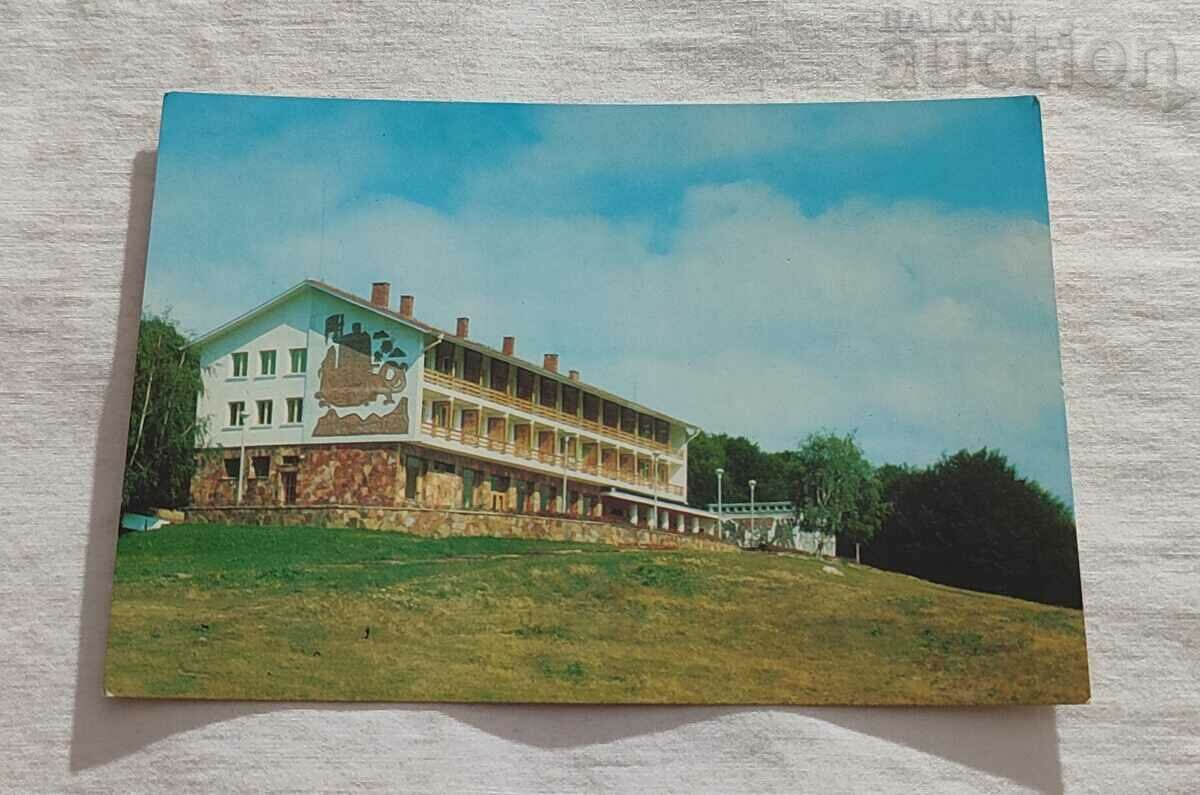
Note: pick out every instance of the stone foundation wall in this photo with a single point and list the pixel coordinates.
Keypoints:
(440, 523)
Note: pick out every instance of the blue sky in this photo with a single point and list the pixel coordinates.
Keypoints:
(882, 268)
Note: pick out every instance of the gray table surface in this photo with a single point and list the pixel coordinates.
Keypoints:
(81, 86)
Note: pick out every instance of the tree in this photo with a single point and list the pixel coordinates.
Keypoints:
(163, 430)
(835, 490)
(970, 521)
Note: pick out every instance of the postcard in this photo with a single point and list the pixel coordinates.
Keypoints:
(681, 404)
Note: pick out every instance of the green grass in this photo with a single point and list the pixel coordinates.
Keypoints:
(277, 613)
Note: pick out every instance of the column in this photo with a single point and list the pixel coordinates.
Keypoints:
(633, 511)
(679, 520)
(695, 525)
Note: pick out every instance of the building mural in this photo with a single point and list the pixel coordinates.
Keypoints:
(360, 378)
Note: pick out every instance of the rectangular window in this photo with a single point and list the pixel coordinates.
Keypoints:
(548, 394)
(233, 466)
(524, 487)
(444, 357)
(662, 431)
(645, 426)
(265, 410)
(469, 478)
(441, 414)
(237, 414)
(443, 468)
(472, 366)
(290, 487)
(266, 362)
(241, 362)
(413, 469)
(295, 410)
(612, 414)
(299, 360)
(549, 496)
(589, 505)
(572, 501)
(524, 384)
(570, 400)
(628, 420)
(262, 465)
(591, 407)
(499, 378)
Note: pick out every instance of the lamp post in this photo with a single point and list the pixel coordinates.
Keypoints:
(654, 485)
(565, 437)
(753, 535)
(720, 518)
(242, 417)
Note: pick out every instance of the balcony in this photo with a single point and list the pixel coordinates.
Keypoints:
(528, 406)
(552, 459)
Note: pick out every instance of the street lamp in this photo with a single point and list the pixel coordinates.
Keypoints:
(565, 437)
(753, 535)
(654, 485)
(242, 417)
(720, 518)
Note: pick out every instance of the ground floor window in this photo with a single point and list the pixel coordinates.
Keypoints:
(524, 488)
(233, 467)
(290, 487)
(413, 469)
(549, 496)
(572, 501)
(589, 505)
(262, 465)
(469, 478)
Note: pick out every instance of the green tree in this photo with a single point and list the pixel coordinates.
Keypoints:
(835, 490)
(163, 430)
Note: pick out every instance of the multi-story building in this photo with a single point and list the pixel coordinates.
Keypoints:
(319, 397)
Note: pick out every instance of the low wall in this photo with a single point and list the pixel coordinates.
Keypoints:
(440, 523)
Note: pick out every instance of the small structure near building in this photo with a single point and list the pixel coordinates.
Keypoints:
(767, 524)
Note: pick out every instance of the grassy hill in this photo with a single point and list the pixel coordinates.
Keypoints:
(273, 613)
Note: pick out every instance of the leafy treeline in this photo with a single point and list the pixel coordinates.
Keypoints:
(160, 454)
(968, 520)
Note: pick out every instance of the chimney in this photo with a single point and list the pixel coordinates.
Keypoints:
(406, 306)
(550, 362)
(510, 346)
(380, 294)
(573, 375)
(464, 325)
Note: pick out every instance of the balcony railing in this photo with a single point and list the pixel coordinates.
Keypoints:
(505, 399)
(531, 453)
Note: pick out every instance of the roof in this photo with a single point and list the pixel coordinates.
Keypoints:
(662, 502)
(433, 331)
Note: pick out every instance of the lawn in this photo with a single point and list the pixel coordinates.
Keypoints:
(305, 613)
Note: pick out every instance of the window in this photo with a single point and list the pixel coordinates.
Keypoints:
(299, 360)
(413, 468)
(591, 407)
(589, 505)
(241, 361)
(441, 414)
(499, 379)
(548, 394)
(444, 357)
(265, 410)
(472, 366)
(233, 467)
(645, 426)
(237, 414)
(612, 413)
(500, 483)
(524, 487)
(524, 384)
(295, 410)
(262, 465)
(469, 479)
(266, 362)
(572, 501)
(662, 431)
(290, 489)
(549, 495)
(291, 460)
(443, 468)
(570, 400)
(628, 420)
